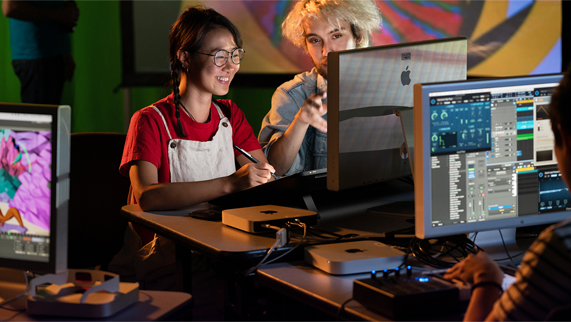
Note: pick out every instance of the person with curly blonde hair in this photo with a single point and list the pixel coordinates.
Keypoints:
(294, 132)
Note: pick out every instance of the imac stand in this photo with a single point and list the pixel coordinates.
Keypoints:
(402, 208)
(309, 203)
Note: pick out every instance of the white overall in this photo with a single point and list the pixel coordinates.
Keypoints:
(189, 161)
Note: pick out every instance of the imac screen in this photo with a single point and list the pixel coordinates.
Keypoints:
(484, 156)
(31, 227)
(365, 141)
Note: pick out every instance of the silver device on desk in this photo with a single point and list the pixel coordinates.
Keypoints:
(253, 219)
(353, 257)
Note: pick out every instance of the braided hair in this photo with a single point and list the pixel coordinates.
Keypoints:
(188, 34)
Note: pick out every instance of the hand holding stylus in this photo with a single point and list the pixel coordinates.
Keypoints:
(251, 158)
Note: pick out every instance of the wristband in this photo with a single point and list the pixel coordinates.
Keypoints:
(496, 285)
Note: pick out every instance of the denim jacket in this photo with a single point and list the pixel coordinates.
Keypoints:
(286, 102)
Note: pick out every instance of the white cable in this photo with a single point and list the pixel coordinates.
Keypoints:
(271, 227)
(296, 246)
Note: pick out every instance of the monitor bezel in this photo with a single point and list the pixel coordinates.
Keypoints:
(422, 175)
(60, 129)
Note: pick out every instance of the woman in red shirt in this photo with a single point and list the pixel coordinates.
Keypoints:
(179, 152)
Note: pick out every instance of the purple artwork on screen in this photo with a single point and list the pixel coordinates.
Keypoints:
(25, 177)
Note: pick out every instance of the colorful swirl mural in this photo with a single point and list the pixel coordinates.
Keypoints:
(512, 37)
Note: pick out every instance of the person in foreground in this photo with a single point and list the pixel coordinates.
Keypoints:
(294, 131)
(179, 151)
(543, 281)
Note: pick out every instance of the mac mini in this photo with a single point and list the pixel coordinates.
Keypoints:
(353, 257)
(253, 219)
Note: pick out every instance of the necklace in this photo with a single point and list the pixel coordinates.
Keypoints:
(187, 112)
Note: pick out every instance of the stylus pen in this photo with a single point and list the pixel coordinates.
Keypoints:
(251, 158)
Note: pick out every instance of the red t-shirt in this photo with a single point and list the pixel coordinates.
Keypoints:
(147, 137)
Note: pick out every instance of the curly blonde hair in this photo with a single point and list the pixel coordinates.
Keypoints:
(363, 16)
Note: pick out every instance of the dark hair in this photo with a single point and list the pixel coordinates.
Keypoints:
(188, 34)
(560, 107)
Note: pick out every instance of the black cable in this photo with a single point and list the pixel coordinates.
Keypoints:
(341, 309)
(310, 228)
(254, 268)
(457, 247)
(13, 310)
(407, 179)
(504, 243)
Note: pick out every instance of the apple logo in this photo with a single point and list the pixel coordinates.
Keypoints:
(405, 77)
(268, 212)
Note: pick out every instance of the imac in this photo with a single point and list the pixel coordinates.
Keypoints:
(484, 159)
(366, 87)
(34, 185)
(34, 196)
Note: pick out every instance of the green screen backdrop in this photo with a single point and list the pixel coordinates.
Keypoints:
(94, 94)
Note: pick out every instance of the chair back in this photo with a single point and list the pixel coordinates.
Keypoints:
(97, 193)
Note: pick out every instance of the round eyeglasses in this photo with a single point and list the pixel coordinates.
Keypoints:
(221, 56)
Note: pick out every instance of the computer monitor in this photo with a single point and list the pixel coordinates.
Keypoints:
(34, 185)
(365, 142)
(484, 157)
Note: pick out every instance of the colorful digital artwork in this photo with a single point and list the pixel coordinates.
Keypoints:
(25, 178)
(506, 37)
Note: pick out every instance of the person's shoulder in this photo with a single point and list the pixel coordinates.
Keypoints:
(150, 112)
(563, 229)
(306, 79)
(557, 234)
(164, 106)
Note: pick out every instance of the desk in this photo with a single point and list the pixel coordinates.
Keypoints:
(342, 213)
(317, 289)
(152, 305)
(339, 212)
(325, 292)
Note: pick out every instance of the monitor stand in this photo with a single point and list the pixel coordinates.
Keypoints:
(402, 208)
(310, 203)
(491, 242)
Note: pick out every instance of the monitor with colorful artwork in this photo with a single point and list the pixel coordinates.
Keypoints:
(34, 186)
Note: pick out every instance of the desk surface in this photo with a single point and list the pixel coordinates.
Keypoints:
(317, 288)
(226, 243)
(341, 213)
(211, 237)
(152, 306)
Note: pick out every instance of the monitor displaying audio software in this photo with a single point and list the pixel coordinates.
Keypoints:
(34, 186)
(484, 157)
